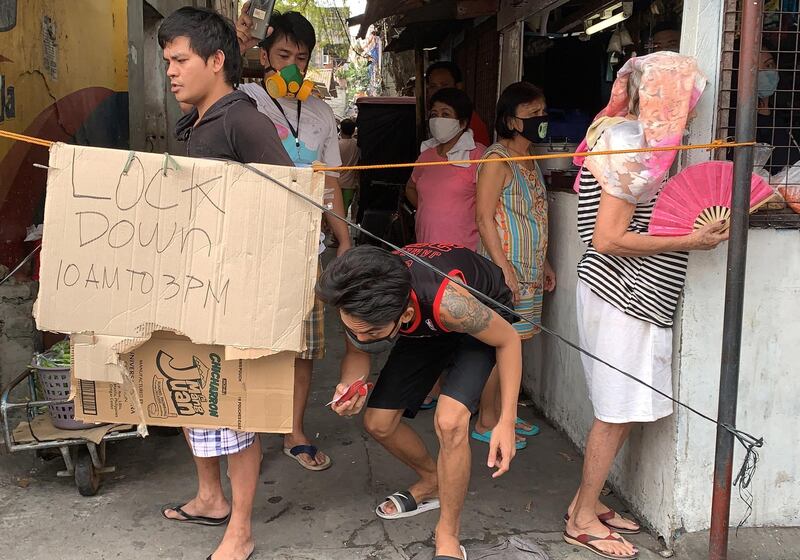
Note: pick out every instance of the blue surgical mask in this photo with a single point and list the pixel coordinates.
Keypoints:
(767, 82)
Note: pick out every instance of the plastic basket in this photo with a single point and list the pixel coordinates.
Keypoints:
(56, 385)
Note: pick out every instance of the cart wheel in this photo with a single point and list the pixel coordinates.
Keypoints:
(87, 479)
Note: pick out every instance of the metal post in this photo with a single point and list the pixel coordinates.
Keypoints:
(136, 96)
(419, 88)
(734, 286)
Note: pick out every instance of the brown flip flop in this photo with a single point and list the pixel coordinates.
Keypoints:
(585, 541)
(605, 519)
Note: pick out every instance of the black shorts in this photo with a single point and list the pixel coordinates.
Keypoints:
(415, 364)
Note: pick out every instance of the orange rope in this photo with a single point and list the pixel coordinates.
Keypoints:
(28, 139)
(716, 144)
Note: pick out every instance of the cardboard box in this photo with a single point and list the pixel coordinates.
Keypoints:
(139, 248)
(191, 385)
(137, 242)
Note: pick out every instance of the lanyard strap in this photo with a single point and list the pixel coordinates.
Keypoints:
(293, 130)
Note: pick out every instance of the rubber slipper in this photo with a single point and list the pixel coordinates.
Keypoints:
(429, 405)
(463, 552)
(195, 519)
(605, 519)
(405, 505)
(311, 451)
(532, 432)
(486, 437)
(585, 541)
(249, 556)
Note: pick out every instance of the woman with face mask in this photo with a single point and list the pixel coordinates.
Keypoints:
(773, 123)
(511, 215)
(445, 195)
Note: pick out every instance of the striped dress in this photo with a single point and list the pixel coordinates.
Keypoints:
(521, 221)
(646, 288)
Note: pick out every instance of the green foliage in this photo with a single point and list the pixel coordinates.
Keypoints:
(357, 75)
(59, 356)
(328, 22)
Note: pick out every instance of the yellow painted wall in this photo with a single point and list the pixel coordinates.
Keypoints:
(91, 44)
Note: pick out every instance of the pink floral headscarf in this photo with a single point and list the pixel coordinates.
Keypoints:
(671, 85)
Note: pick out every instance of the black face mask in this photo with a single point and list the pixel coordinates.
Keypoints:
(534, 129)
(375, 346)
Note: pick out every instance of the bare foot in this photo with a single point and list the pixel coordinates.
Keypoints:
(216, 509)
(234, 547)
(617, 547)
(422, 490)
(291, 440)
(448, 545)
(524, 426)
(616, 522)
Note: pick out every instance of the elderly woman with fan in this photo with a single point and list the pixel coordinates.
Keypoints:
(629, 281)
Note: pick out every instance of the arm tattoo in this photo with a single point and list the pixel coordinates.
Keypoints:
(464, 313)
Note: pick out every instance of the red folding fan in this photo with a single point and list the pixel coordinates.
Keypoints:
(699, 195)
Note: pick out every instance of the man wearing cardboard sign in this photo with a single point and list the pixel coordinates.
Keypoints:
(385, 298)
(204, 67)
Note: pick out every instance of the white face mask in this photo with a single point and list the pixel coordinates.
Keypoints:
(444, 129)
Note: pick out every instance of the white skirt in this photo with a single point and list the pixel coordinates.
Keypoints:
(634, 346)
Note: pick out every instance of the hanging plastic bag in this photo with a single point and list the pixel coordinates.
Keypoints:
(787, 182)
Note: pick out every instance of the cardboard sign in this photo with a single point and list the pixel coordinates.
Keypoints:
(136, 242)
(178, 383)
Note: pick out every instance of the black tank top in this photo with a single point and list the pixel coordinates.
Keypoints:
(427, 287)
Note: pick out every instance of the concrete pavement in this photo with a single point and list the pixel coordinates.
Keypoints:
(306, 515)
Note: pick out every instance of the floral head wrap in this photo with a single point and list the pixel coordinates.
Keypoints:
(670, 87)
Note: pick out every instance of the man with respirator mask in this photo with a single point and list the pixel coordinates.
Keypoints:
(307, 128)
(389, 301)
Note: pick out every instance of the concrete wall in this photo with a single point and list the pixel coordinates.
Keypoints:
(768, 385)
(665, 470)
(18, 336)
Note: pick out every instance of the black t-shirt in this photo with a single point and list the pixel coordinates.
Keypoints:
(233, 129)
(427, 286)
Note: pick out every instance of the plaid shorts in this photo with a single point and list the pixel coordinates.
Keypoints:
(314, 330)
(215, 443)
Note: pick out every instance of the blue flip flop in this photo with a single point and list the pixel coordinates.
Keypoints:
(532, 432)
(429, 406)
(486, 437)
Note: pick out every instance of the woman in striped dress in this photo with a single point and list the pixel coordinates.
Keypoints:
(629, 282)
(511, 212)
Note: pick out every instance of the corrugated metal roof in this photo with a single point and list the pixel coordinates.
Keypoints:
(424, 11)
(379, 9)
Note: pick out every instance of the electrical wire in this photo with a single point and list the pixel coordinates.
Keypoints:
(748, 441)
